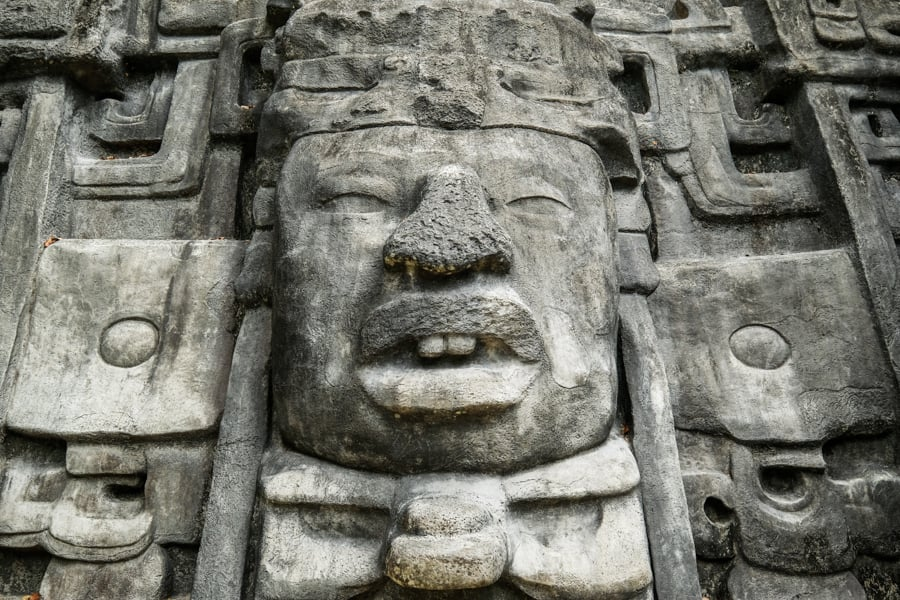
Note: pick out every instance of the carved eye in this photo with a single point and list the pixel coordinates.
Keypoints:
(353, 203)
(539, 205)
(788, 488)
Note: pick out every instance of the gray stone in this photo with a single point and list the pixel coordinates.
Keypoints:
(724, 386)
(38, 18)
(141, 578)
(455, 531)
(748, 583)
(176, 168)
(353, 219)
(83, 289)
(657, 453)
(431, 299)
(242, 434)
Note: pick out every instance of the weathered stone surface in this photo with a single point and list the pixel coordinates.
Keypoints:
(431, 299)
(340, 234)
(447, 531)
(233, 486)
(814, 369)
(141, 578)
(86, 387)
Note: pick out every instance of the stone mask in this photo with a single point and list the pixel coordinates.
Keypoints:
(445, 301)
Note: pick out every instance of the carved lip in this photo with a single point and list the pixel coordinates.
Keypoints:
(493, 315)
(79, 537)
(448, 393)
(485, 381)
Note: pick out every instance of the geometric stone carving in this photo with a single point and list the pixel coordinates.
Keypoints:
(806, 307)
(850, 38)
(557, 299)
(149, 170)
(837, 23)
(719, 186)
(108, 503)
(236, 104)
(875, 116)
(786, 507)
(169, 294)
(140, 118)
(176, 168)
(183, 28)
(790, 517)
(653, 85)
(135, 341)
(417, 530)
(711, 503)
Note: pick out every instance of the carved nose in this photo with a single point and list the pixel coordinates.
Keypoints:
(452, 230)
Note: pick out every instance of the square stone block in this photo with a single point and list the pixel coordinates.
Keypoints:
(773, 348)
(126, 338)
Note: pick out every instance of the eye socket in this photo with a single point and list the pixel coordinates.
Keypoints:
(353, 203)
(539, 205)
(788, 488)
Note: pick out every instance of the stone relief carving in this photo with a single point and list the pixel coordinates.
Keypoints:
(449, 298)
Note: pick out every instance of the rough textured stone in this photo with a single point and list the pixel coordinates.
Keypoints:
(86, 291)
(431, 299)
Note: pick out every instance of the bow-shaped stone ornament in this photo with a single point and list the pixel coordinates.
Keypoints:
(572, 529)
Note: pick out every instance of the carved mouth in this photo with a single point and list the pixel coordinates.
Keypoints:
(452, 325)
(449, 355)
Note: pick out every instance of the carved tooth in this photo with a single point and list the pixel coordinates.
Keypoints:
(432, 346)
(460, 345)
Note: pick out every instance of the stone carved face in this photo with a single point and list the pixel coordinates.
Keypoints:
(444, 299)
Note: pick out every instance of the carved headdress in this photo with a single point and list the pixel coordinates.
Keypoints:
(450, 64)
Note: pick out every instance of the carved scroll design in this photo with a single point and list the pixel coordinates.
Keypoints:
(875, 117)
(177, 168)
(708, 171)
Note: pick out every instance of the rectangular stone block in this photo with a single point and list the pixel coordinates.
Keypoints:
(35, 18)
(126, 338)
(188, 16)
(773, 349)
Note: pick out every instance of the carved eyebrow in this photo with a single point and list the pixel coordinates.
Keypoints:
(512, 170)
(344, 179)
(531, 186)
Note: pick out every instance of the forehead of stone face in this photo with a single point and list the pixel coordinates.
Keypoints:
(126, 339)
(773, 349)
(392, 161)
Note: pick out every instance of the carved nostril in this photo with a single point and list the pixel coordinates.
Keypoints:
(452, 230)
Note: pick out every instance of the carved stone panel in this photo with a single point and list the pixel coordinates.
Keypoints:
(120, 361)
(433, 299)
(767, 336)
